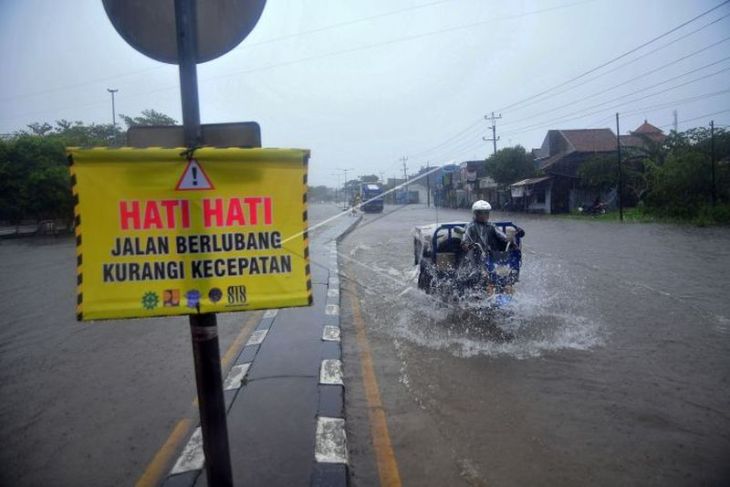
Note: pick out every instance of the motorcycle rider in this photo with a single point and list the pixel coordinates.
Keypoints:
(480, 231)
(486, 235)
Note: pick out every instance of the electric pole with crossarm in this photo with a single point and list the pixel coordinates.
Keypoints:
(494, 138)
(405, 174)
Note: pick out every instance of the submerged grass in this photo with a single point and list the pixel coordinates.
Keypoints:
(707, 216)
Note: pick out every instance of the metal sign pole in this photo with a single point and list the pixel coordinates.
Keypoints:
(620, 173)
(203, 327)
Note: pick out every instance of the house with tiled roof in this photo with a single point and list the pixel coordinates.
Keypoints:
(559, 158)
(643, 136)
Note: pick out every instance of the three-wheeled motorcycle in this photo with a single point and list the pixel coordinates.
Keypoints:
(485, 277)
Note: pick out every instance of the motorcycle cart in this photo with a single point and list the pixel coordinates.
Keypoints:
(452, 274)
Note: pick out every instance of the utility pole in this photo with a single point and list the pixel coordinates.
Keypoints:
(675, 124)
(620, 173)
(428, 184)
(344, 186)
(494, 138)
(712, 161)
(405, 175)
(114, 113)
(337, 188)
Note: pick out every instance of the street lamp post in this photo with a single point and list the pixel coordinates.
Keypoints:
(344, 187)
(114, 113)
(337, 188)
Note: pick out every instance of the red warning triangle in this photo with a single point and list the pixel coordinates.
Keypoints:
(194, 178)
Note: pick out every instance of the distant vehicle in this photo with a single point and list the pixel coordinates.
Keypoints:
(404, 197)
(371, 198)
(597, 208)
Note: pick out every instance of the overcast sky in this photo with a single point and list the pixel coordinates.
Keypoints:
(363, 84)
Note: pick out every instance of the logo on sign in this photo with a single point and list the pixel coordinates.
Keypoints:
(193, 297)
(236, 295)
(215, 295)
(171, 298)
(150, 300)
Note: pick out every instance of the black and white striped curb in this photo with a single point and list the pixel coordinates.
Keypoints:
(330, 443)
(191, 461)
(330, 451)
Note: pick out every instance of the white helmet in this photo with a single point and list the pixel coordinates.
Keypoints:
(481, 205)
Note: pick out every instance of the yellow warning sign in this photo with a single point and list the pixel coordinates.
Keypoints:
(160, 234)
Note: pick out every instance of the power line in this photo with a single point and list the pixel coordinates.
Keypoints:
(623, 65)
(448, 140)
(643, 75)
(341, 24)
(241, 46)
(674, 103)
(661, 36)
(696, 118)
(347, 51)
(579, 114)
(621, 56)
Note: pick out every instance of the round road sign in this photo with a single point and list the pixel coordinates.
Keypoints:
(149, 25)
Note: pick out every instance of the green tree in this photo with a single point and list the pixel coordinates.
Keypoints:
(680, 185)
(321, 193)
(77, 134)
(600, 173)
(509, 165)
(34, 179)
(147, 118)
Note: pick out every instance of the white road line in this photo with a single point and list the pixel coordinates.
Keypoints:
(330, 372)
(271, 313)
(332, 310)
(257, 337)
(192, 456)
(333, 293)
(331, 333)
(235, 377)
(331, 441)
(334, 282)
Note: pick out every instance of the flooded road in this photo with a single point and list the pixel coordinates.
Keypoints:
(90, 403)
(617, 373)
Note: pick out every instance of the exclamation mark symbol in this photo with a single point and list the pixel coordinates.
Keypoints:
(195, 175)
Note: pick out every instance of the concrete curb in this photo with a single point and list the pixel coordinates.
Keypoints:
(330, 445)
(330, 450)
(349, 229)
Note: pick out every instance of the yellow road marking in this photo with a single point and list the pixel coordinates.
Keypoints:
(384, 456)
(236, 345)
(159, 467)
(238, 342)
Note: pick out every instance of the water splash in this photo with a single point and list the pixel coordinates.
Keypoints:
(548, 313)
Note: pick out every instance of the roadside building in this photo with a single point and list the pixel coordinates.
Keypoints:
(532, 195)
(561, 155)
(447, 188)
(488, 190)
(417, 193)
(470, 172)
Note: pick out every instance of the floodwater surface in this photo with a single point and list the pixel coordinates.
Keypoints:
(615, 369)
